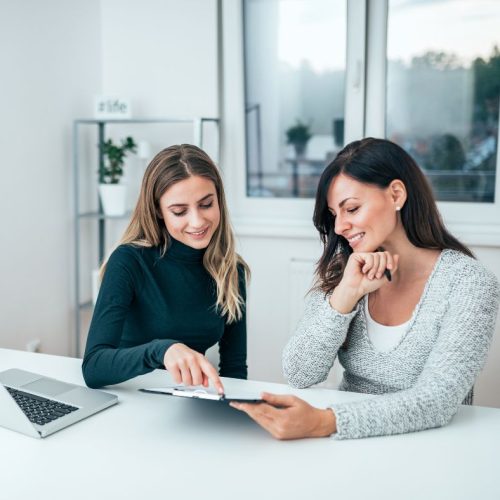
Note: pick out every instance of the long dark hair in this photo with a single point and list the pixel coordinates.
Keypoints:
(378, 162)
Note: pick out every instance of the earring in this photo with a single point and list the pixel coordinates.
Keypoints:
(398, 209)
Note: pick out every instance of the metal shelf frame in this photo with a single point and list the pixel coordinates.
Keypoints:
(197, 124)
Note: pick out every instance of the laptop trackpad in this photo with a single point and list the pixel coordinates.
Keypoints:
(48, 387)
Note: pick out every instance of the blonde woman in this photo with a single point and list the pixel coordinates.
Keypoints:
(175, 285)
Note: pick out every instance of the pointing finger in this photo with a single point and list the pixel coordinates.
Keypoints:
(212, 374)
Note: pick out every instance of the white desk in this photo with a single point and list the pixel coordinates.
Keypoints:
(151, 446)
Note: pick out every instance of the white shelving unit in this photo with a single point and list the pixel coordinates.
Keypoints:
(81, 305)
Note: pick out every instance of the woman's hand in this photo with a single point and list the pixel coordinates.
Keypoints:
(364, 273)
(288, 417)
(190, 367)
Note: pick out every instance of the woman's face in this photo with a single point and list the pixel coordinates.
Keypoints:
(365, 215)
(191, 211)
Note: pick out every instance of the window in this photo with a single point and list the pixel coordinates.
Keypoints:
(425, 74)
(443, 88)
(295, 53)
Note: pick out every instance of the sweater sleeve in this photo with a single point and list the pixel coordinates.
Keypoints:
(233, 344)
(449, 373)
(104, 362)
(310, 353)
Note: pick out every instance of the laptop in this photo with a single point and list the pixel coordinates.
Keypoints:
(39, 406)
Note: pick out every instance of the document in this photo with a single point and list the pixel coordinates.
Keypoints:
(203, 393)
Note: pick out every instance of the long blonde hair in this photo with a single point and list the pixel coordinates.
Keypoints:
(147, 228)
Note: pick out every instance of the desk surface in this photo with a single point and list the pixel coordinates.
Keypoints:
(152, 446)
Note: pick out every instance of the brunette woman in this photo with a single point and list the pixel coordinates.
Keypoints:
(404, 305)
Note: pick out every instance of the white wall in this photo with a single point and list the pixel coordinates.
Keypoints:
(486, 388)
(269, 324)
(50, 66)
(162, 54)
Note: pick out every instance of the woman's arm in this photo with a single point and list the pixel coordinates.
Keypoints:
(104, 362)
(309, 355)
(449, 373)
(233, 350)
(233, 344)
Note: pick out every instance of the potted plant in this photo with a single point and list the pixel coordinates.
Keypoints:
(112, 193)
(298, 135)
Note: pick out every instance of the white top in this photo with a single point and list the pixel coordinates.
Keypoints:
(384, 338)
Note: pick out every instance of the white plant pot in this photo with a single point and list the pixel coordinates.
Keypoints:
(113, 198)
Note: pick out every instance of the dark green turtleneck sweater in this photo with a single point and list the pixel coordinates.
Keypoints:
(147, 303)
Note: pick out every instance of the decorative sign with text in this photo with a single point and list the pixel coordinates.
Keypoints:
(109, 107)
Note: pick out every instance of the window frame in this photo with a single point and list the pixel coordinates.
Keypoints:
(365, 114)
(475, 223)
(274, 216)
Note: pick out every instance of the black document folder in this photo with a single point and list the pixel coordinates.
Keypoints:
(202, 393)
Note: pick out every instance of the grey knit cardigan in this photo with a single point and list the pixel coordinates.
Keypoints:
(421, 382)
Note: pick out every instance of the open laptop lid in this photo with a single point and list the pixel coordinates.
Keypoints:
(85, 402)
(12, 417)
(201, 393)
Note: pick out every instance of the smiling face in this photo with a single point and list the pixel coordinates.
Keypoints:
(365, 214)
(190, 210)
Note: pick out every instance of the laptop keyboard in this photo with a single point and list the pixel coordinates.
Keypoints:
(40, 410)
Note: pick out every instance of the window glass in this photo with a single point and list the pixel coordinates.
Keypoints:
(443, 88)
(295, 52)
